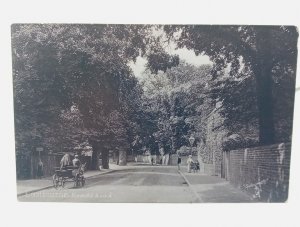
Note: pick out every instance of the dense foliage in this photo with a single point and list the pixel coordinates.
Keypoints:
(263, 51)
(73, 83)
(57, 67)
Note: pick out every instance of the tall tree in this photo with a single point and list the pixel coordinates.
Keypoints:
(57, 66)
(263, 50)
(175, 97)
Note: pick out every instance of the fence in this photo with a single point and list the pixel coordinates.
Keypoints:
(26, 165)
(261, 171)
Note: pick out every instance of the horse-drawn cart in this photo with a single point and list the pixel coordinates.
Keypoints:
(68, 174)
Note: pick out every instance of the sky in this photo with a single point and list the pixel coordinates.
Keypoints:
(184, 54)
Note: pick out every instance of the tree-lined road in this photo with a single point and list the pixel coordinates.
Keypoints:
(142, 184)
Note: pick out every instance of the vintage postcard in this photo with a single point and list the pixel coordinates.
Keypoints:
(127, 113)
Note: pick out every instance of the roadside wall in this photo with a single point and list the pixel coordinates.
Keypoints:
(26, 165)
(261, 171)
(215, 134)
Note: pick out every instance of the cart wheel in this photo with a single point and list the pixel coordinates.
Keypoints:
(75, 182)
(63, 181)
(59, 181)
(82, 181)
(55, 181)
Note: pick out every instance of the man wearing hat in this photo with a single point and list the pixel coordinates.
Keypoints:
(76, 161)
(77, 164)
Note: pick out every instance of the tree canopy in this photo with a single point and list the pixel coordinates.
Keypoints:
(58, 66)
(73, 83)
(263, 51)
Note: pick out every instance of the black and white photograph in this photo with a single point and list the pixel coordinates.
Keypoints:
(153, 113)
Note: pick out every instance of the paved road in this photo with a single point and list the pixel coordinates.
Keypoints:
(135, 184)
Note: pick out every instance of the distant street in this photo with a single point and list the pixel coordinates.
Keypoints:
(144, 184)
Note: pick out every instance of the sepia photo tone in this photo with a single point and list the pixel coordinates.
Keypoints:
(153, 113)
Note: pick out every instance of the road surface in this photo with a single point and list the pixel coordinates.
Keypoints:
(140, 184)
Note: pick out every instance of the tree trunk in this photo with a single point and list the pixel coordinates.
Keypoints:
(105, 160)
(263, 74)
(265, 110)
(116, 157)
(97, 150)
(122, 158)
(95, 159)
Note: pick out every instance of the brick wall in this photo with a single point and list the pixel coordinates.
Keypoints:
(263, 172)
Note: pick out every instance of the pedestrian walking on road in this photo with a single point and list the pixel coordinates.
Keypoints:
(40, 169)
(178, 161)
(189, 163)
(197, 165)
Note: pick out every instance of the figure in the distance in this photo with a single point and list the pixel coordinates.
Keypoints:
(189, 163)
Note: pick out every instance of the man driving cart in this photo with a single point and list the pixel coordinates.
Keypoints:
(76, 162)
(77, 167)
(68, 169)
